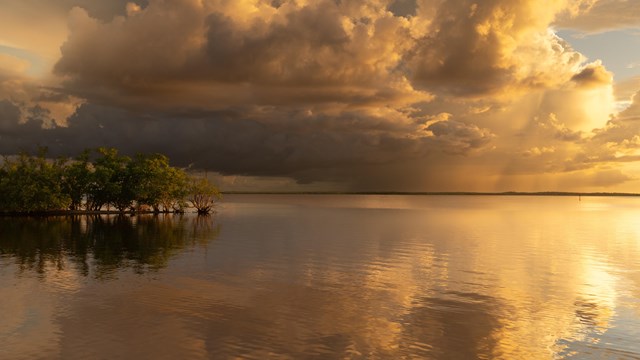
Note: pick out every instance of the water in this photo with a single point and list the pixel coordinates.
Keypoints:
(329, 277)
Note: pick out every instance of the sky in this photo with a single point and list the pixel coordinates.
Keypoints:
(335, 95)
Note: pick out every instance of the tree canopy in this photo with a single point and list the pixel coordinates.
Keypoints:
(100, 179)
(203, 195)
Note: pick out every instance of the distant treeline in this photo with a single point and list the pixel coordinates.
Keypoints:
(99, 180)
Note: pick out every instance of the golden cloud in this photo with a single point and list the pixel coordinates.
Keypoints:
(338, 91)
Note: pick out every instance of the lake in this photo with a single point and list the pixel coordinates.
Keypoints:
(329, 277)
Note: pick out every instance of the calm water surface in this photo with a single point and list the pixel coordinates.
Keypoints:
(329, 277)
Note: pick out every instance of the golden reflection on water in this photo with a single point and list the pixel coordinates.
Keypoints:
(333, 277)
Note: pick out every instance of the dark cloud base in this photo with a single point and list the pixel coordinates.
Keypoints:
(350, 148)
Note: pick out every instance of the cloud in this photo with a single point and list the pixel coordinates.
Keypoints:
(40, 26)
(458, 138)
(619, 138)
(213, 54)
(593, 75)
(597, 179)
(624, 90)
(604, 158)
(479, 48)
(536, 151)
(368, 94)
(31, 99)
(360, 53)
(305, 146)
(603, 15)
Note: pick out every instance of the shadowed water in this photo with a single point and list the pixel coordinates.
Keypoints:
(324, 277)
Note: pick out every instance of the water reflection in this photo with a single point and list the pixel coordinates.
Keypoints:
(330, 277)
(102, 244)
(439, 327)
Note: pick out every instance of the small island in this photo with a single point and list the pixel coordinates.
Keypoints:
(100, 181)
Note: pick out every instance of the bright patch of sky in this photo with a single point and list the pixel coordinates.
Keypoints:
(619, 50)
(38, 65)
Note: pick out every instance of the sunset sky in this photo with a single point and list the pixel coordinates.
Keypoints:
(345, 95)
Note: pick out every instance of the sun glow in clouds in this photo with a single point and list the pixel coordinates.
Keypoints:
(341, 95)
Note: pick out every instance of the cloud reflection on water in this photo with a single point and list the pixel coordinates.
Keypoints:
(340, 277)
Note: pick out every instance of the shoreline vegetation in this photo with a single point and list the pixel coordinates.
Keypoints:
(100, 181)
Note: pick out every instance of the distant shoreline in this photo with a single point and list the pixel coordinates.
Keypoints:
(451, 193)
(448, 193)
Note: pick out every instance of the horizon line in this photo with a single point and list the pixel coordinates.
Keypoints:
(427, 193)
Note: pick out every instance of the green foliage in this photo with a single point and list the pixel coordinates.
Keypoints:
(175, 188)
(77, 177)
(32, 184)
(203, 194)
(108, 185)
(156, 183)
(36, 184)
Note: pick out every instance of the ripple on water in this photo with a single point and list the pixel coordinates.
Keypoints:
(331, 277)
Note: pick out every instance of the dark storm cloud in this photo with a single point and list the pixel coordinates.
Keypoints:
(21, 136)
(9, 117)
(233, 143)
(404, 8)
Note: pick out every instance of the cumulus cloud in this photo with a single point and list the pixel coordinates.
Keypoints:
(40, 26)
(593, 75)
(369, 94)
(477, 48)
(601, 159)
(214, 54)
(620, 135)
